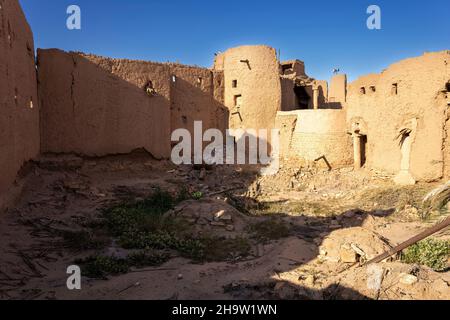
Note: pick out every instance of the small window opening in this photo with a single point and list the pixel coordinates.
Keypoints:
(31, 103)
(287, 67)
(447, 86)
(373, 89)
(149, 89)
(362, 90)
(234, 83)
(174, 79)
(200, 80)
(238, 101)
(394, 89)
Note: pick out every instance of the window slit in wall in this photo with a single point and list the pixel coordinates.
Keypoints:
(394, 89)
(373, 89)
(174, 79)
(362, 90)
(234, 83)
(200, 81)
(238, 101)
(31, 103)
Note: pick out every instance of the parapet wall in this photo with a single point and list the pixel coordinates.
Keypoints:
(98, 106)
(317, 133)
(19, 108)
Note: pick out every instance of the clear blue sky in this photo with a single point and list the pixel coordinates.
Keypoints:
(325, 34)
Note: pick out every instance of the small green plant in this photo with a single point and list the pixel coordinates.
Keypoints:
(431, 252)
(197, 195)
(272, 229)
(147, 258)
(100, 267)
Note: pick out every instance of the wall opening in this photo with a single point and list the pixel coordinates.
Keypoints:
(31, 103)
(394, 89)
(359, 150)
(373, 89)
(234, 83)
(238, 101)
(447, 86)
(149, 89)
(362, 90)
(302, 97)
(363, 150)
(287, 68)
(174, 79)
(200, 81)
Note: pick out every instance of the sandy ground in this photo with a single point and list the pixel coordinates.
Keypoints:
(329, 214)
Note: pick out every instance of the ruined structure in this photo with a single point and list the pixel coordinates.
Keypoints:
(396, 121)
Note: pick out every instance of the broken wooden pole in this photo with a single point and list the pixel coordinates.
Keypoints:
(438, 227)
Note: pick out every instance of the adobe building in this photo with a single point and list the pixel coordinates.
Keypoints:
(396, 122)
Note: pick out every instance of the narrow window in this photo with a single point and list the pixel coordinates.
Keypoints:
(362, 90)
(31, 103)
(238, 101)
(373, 89)
(174, 79)
(234, 84)
(200, 81)
(394, 89)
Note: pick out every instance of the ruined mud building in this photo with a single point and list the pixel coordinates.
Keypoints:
(59, 102)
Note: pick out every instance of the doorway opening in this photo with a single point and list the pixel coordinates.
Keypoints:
(302, 97)
(363, 150)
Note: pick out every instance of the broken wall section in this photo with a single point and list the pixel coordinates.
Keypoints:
(19, 109)
(97, 106)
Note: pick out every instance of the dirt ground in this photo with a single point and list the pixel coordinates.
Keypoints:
(308, 230)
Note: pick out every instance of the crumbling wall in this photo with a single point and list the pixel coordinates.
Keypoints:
(252, 86)
(19, 108)
(408, 95)
(319, 134)
(97, 106)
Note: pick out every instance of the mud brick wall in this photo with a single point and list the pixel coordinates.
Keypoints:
(19, 108)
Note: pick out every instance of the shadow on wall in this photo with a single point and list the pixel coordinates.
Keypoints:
(192, 102)
(331, 105)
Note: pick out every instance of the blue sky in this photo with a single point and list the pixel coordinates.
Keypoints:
(325, 34)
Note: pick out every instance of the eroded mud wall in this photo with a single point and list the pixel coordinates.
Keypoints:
(19, 109)
(97, 106)
(408, 95)
(197, 95)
